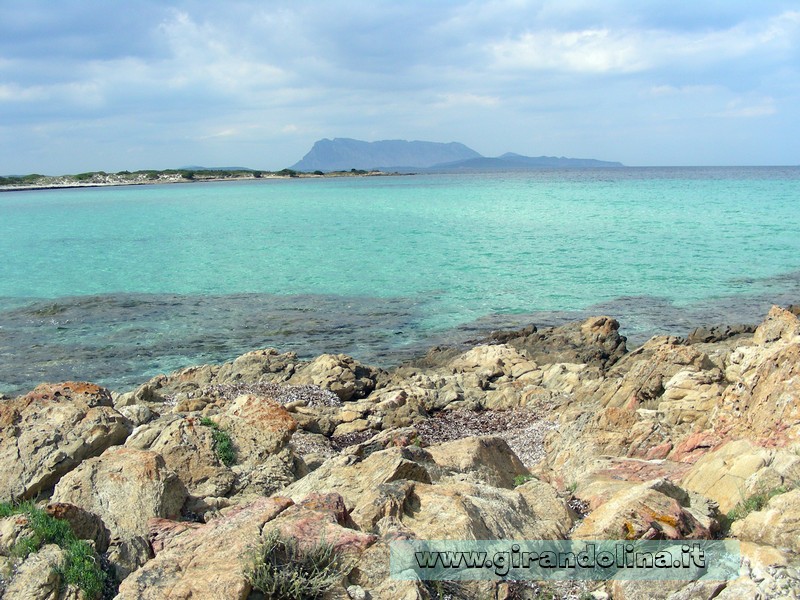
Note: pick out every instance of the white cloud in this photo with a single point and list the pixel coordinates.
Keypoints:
(450, 100)
(747, 109)
(625, 50)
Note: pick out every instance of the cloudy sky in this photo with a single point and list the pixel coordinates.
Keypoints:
(100, 85)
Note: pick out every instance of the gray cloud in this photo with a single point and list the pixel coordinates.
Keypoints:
(99, 85)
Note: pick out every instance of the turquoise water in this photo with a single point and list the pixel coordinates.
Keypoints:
(117, 284)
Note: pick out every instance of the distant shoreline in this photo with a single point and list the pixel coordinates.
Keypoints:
(102, 179)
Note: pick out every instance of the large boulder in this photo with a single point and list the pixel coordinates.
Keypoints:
(187, 448)
(124, 487)
(48, 432)
(487, 460)
(656, 509)
(778, 524)
(763, 400)
(739, 469)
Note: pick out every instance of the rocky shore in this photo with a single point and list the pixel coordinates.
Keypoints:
(171, 490)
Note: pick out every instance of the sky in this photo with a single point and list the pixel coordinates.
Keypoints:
(90, 85)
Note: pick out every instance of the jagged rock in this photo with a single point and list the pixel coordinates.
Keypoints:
(639, 379)
(210, 561)
(780, 324)
(261, 430)
(778, 524)
(207, 562)
(124, 487)
(126, 554)
(351, 477)
(653, 510)
(137, 414)
(488, 460)
(764, 399)
(595, 341)
(718, 333)
(48, 432)
(339, 373)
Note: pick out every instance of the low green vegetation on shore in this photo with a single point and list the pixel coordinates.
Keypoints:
(99, 178)
(223, 444)
(81, 567)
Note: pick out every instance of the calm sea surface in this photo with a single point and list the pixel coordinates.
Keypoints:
(114, 285)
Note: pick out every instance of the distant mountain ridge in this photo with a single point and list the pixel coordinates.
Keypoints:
(342, 154)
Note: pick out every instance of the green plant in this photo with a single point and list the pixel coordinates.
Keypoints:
(81, 567)
(572, 487)
(522, 479)
(755, 503)
(223, 444)
(281, 569)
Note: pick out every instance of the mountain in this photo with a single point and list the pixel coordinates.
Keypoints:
(511, 161)
(343, 154)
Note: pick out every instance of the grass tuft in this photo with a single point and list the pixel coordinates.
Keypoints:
(754, 503)
(223, 444)
(281, 569)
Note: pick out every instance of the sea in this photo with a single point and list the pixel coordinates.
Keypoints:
(117, 284)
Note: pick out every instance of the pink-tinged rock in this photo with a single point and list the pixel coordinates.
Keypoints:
(323, 517)
(207, 562)
(695, 446)
(652, 510)
(162, 532)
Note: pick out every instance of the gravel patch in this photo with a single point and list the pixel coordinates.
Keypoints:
(523, 429)
(310, 395)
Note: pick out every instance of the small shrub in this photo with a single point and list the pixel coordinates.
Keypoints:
(223, 444)
(754, 503)
(281, 569)
(522, 479)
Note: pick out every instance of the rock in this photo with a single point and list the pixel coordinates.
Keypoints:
(339, 373)
(717, 333)
(351, 477)
(777, 525)
(124, 487)
(763, 399)
(654, 510)
(137, 414)
(258, 365)
(37, 578)
(780, 324)
(187, 448)
(127, 554)
(48, 432)
(261, 430)
(321, 517)
(595, 341)
(487, 460)
(639, 379)
(722, 474)
(207, 562)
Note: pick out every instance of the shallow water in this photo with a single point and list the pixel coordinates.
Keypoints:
(115, 285)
